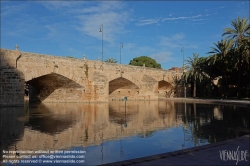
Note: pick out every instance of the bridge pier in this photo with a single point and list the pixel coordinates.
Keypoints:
(11, 79)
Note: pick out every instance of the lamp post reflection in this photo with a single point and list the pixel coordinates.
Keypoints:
(184, 125)
(125, 122)
(102, 147)
(125, 125)
(184, 70)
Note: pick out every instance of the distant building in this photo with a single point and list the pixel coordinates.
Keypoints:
(176, 69)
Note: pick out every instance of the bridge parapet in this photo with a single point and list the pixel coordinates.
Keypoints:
(92, 63)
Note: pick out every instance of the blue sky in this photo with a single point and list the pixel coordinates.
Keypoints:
(158, 29)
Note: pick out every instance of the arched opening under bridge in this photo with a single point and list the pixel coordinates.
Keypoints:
(121, 87)
(165, 89)
(54, 88)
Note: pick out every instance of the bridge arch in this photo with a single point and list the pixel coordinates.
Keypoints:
(42, 72)
(126, 75)
(121, 87)
(35, 74)
(54, 87)
(165, 89)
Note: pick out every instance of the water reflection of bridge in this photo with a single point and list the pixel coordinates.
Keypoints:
(91, 124)
(64, 125)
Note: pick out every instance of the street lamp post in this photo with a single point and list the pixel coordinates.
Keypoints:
(101, 30)
(121, 46)
(184, 82)
(182, 50)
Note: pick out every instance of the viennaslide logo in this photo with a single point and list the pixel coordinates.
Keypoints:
(233, 155)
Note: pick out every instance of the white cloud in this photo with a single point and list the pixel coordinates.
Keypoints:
(144, 22)
(61, 5)
(88, 16)
(222, 7)
(113, 24)
(147, 22)
(24, 25)
(53, 30)
(200, 19)
(129, 46)
(12, 9)
(173, 41)
(162, 57)
(176, 41)
(180, 18)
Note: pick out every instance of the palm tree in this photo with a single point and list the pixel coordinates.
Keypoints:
(222, 49)
(239, 33)
(220, 53)
(111, 60)
(210, 71)
(194, 71)
(240, 30)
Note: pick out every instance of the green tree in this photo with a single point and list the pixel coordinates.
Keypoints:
(211, 67)
(239, 34)
(111, 60)
(208, 72)
(69, 57)
(149, 62)
(194, 72)
(221, 58)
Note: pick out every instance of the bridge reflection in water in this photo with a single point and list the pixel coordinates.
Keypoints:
(111, 132)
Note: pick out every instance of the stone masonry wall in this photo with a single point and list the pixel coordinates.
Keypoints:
(91, 80)
(11, 79)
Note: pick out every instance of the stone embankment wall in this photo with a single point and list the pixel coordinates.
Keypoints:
(60, 79)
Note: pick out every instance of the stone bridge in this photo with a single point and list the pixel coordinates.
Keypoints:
(61, 79)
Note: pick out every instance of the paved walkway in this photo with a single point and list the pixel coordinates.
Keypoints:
(212, 154)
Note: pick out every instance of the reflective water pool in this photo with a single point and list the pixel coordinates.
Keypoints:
(94, 134)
